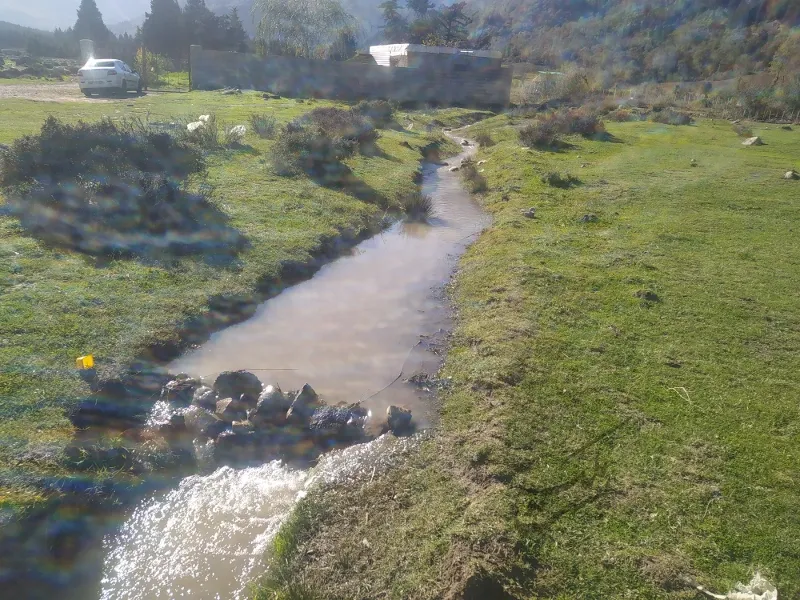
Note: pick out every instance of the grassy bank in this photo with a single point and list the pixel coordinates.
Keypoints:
(623, 420)
(56, 305)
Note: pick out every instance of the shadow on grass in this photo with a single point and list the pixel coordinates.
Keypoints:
(339, 176)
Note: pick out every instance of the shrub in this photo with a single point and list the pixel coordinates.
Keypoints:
(621, 115)
(671, 117)
(380, 112)
(264, 126)
(417, 206)
(558, 180)
(206, 136)
(484, 140)
(235, 135)
(475, 180)
(345, 124)
(541, 132)
(104, 188)
(545, 130)
(743, 130)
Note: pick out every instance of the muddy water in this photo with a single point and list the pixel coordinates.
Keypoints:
(355, 331)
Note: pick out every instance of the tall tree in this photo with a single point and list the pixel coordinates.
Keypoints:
(452, 23)
(235, 35)
(162, 31)
(420, 7)
(299, 27)
(344, 46)
(201, 26)
(89, 24)
(395, 27)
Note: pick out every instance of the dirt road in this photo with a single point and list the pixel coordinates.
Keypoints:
(67, 91)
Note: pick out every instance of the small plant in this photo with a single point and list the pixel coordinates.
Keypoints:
(475, 180)
(556, 179)
(380, 112)
(235, 135)
(203, 133)
(743, 130)
(669, 116)
(417, 206)
(265, 126)
(484, 140)
(540, 133)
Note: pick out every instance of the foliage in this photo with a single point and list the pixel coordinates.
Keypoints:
(153, 67)
(380, 112)
(743, 130)
(417, 206)
(264, 126)
(556, 179)
(162, 30)
(476, 182)
(90, 23)
(621, 115)
(344, 45)
(671, 116)
(545, 130)
(424, 23)
(484, 140)
(299, 27)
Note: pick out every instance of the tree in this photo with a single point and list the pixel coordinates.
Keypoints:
(235, 35)
(451, 24)
(344, 46)
(162, 32)
(89, 24)
(420, 7)
(203, 27)
(395, 27)
(299, 27)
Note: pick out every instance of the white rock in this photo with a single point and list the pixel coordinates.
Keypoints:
(194, 126)
(204, 118)
(753, 141)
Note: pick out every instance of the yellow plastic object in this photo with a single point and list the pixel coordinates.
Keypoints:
(85, 362)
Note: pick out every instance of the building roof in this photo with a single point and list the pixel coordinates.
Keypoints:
(383, 53)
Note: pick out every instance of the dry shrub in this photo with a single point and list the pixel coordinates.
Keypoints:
(621, 115)
(558, 180)
(265, 126)
(670, 116)
(743, 130)
(484, 140)
(475, 181)
(545, 130)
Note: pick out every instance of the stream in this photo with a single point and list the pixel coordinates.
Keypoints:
(356, 331)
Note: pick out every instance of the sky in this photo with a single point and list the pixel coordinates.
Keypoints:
(49, 14)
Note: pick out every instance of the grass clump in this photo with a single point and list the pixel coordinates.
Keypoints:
(476, 182)
(742, 130)
(556, 179)
(264, 126)
(545, 131)
(670, 116)
(417, 206)
(484, 140)
(380, 112)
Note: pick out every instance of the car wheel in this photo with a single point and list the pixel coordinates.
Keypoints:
(139, 87)
(123, 88)
(87, 93)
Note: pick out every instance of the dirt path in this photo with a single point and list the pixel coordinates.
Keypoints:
(67, 91)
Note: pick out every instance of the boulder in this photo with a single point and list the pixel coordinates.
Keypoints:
(180, 390)
(454, 169)
(231, 409)
(791, 175)
(232, 384)
(242, 427)
(590, 218)
(201, 423)
(398, 419)
(337, 423)
(753, 141)
(205, 397)
(529, 213)
(303, 405)
(271, 407)
(465, 143)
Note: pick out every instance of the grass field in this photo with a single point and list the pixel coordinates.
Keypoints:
(624, 417)
(56, 305)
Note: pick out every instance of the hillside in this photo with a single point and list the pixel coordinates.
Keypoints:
(629, 40)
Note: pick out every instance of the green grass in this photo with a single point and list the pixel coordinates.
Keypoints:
(178, 79)
(624, 414)
(56, 305)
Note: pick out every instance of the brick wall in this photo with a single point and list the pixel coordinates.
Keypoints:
(483, 85)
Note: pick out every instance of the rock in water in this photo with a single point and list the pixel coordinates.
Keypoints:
(231, 409)
(271, 407)
(232, 384)
(242, 427)
(180, 390)
(205, 397)
(303, 405)
(201, 423)
(753, 141)
(337, 423)
(398, 419)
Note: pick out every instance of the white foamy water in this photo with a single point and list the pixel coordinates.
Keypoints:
(207, 538)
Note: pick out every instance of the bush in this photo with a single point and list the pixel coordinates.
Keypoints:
(417, 206)
(380, 112)
(484, 140)
(621, 115)
(103, 188)
(545, 130)
(264, 126)
(206, 136)
(345, 124)
(475, 180)
(743, 130)
(558, 180)
(671, 117)
(234, 136)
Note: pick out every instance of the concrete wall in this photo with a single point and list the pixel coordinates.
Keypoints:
(483, 85)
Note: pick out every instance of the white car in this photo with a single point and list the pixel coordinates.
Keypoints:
(108, 75)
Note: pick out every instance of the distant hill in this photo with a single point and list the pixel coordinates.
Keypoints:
(633, 40)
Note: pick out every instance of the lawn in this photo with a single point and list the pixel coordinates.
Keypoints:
(623, 420)
(56, 305)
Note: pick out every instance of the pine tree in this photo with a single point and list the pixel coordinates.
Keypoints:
(395, 27)
(89, 24)
(235, 35)
(162, 30)
(420, 7)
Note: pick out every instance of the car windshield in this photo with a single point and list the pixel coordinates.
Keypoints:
(101, 64)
